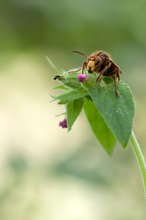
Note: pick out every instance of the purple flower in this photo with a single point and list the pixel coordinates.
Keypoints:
(82, 77)
(63, 123)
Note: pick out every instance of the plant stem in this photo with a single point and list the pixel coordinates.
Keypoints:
(140, 158)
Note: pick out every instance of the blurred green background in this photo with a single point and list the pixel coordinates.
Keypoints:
(45, 172)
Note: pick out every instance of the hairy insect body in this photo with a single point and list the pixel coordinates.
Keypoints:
(103, 64)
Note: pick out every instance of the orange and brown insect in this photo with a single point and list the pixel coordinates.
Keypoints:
(100, 62)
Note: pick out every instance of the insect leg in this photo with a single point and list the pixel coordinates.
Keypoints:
(98, 77)
(83, 66)
(117, 72)
(103, 71)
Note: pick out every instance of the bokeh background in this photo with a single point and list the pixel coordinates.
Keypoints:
(45, 172)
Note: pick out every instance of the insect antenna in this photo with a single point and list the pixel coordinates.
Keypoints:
(76, 51)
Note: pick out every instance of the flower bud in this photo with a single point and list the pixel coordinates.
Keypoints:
(63, 123)
(82, 77)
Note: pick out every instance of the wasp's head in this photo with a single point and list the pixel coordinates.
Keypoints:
(90, 63)
(91, 66)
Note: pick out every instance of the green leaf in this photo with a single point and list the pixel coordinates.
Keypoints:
(117, 112)
(73, 110)
(71, 95)
(99, 127)
(61, 87)
(69, 79)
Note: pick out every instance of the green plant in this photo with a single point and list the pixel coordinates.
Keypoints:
(110, 116)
